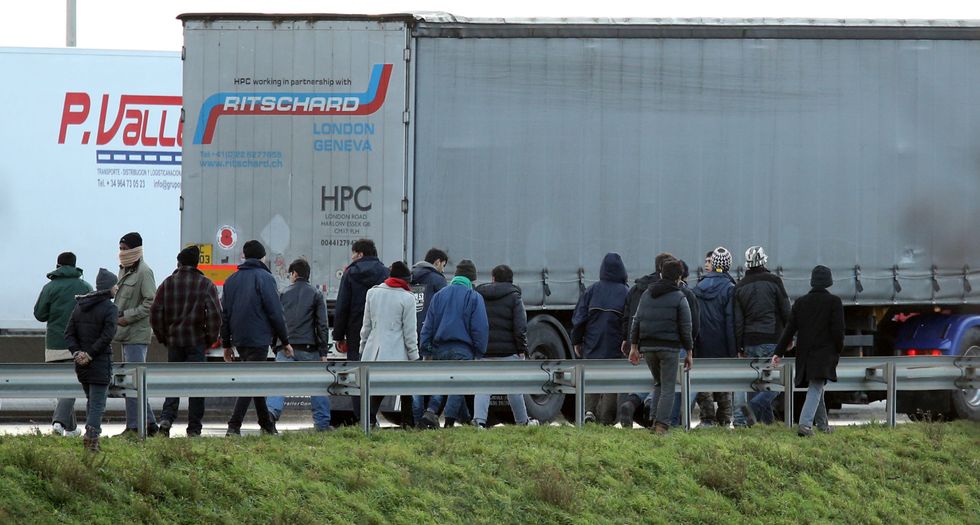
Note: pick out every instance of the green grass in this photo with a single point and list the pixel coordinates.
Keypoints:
(917, 473)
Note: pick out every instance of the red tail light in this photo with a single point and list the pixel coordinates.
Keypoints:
(918, 352)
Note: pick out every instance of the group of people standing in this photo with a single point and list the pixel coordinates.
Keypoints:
(664, 321)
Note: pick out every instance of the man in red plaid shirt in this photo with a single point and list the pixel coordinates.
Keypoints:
(186, 318)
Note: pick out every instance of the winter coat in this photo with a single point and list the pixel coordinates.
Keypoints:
(388, 332)
(761, 308)
(426, 281)
(507, 319)
(56, 302)
(362, 275)
(91, 328)
(133, 300)
(597, 320)
(715, 299)
(251, 315)
(663, 319)
(457, 317)
(633, 301)
(186, 310)
(817, 320)
(305, 311)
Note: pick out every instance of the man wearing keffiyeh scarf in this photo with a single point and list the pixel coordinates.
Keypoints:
(137, 289)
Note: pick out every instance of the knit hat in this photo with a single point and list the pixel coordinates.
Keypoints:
(105, 280)
(721, 259)
(66, 259)
(821, 277)
(399, 270)
(189, 256)
(467, 269)
(132, 239)
(672, 270)
(755, 256)
(253, 250)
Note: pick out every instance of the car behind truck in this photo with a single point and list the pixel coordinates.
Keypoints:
(544, 144)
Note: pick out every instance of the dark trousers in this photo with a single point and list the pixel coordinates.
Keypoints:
(195, 405)
(354, 354)
(251, 353)
(406, 410)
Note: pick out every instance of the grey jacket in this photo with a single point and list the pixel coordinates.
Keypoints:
(663, 319)
(306, 316)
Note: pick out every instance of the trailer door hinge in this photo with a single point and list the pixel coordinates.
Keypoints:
(406, 117)
(407, 55)
(405, 205)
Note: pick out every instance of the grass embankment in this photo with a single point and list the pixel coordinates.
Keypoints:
(918, 473)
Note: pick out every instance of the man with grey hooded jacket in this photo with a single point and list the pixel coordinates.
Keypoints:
(660, 329)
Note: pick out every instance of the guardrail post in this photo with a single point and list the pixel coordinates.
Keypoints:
(891, 382)
(787, 372)
(364, 381)
(141, 401)
(685, 398)
(579, 395)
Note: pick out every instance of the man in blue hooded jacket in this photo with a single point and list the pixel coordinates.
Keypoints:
(715, 296)
(455, 328)
(597, 328)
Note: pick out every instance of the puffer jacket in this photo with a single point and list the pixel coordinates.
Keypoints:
(715, 297)
(761, 308)
(362, 275)
(597, 320)
(507, 318)
(663, 319)
(91, 328)
(137, 289)
(56, 302)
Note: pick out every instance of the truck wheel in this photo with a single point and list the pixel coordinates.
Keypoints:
(967, 402)
(544, 342)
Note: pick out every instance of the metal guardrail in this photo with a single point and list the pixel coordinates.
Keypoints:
(578, 378)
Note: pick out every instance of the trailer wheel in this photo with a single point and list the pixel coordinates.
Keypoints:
(544, 342)
(967, 402)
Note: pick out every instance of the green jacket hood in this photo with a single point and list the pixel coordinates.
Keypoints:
(65, 272)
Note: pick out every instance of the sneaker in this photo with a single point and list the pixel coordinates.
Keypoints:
(826, 430)
(233, 432)
(531, 422)
(706, 423)
(450, 422)
(625, 414)
(152, 429)
(129, 433)
(328, 428)
(429, 420)
(270, 430)
(192, 434)
(57, 429)
(590, 417)
(73, 433)
(749, 415)
(164, 428)
(804, 431)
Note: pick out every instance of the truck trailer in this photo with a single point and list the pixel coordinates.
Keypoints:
(545, 144)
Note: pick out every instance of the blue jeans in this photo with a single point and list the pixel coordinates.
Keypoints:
(455, 405)
(321, 404)
(481, 402)
(94, 408)
(663, 366)
(136, 354)
(761, 403)
(814, 410)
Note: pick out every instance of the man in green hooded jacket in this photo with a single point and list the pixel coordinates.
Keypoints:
(54, 306)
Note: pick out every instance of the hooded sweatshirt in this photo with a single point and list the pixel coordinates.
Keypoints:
(597, 321)
(457, 318)
(90, 329)
(362, 275)
(426, 281)
(55, 304)
(715, 296)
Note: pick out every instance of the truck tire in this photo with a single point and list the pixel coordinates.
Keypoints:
(966, 403)
(544, 342)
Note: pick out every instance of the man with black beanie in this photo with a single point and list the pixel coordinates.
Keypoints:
(251, 319)
(186, 318)
(54, 306)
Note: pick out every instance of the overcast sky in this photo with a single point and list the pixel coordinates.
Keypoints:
(141, 24)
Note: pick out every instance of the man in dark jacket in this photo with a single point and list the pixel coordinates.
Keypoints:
(427, 279)
(661, 329)
(818, 317)
(251, 319)
(88, 335)
(54, 306)
(306, 322)
(596, 329)
(761, 311)
(363, 273)
(186, 318)
(455, 328)
(508, 337)
(715, 293)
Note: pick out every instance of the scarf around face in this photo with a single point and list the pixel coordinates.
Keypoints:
(395, 282)
(128, 258)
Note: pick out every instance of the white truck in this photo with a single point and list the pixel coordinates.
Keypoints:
(92, 144)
